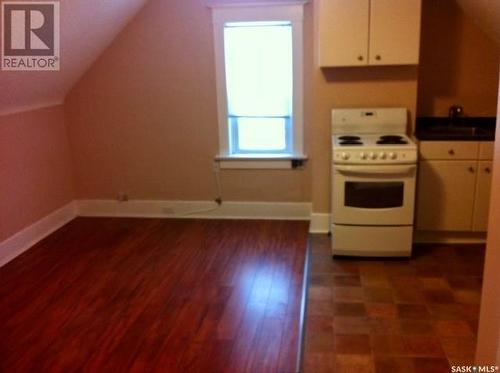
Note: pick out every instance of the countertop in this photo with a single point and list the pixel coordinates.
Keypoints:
(462, 129)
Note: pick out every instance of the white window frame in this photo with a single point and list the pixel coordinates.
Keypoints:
(290, 11)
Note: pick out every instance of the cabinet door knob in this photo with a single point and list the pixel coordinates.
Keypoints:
(451, 152)
(487, 170)
(471, 169)
(360, 58)
(378, 57)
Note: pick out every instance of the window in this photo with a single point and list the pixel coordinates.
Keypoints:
(258, 52)
(259, 85)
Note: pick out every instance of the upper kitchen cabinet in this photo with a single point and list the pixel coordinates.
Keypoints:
(394, 32)
(368, 32)
(343, 32)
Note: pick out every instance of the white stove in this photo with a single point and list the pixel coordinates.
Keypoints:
(373, 189)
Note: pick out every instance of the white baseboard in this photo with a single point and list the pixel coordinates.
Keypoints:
(26, 238)
(320, 223)
(196, 209)
(29, 236)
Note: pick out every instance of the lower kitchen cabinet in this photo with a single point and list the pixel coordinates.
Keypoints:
(446, 195)
(482, 198)
(453, 187)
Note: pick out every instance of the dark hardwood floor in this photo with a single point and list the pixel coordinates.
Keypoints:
(143, 295)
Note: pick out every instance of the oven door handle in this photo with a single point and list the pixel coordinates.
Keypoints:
(376, 170)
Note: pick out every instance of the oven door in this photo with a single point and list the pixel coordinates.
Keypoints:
(373, 195)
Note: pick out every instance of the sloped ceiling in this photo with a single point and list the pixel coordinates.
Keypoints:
(486, 14)
(87, 28)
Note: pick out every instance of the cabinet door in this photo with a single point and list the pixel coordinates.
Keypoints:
(394, 32)
(482, 200)
(446, 195)
(343, 32)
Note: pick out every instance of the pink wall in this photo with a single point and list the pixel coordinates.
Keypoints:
(35, 167)
(488, 349)
(458, 62)
(143, 119)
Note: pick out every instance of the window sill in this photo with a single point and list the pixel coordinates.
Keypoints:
(261, 161)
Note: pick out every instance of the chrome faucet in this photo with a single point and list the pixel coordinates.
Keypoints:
(455, 112)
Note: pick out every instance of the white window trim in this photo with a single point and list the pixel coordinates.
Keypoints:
(273, 11)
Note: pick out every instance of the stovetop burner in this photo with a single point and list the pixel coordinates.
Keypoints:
(392, 142)
(351, 142)
(391, 137)
(350, 138)
(372, 140)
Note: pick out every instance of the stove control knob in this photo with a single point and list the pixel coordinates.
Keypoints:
(363, 155)
(393, 155)
(373, 156)
(383, 155)
(345, 156)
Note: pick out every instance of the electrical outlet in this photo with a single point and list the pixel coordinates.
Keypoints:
(122, 197)
(168, 210)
